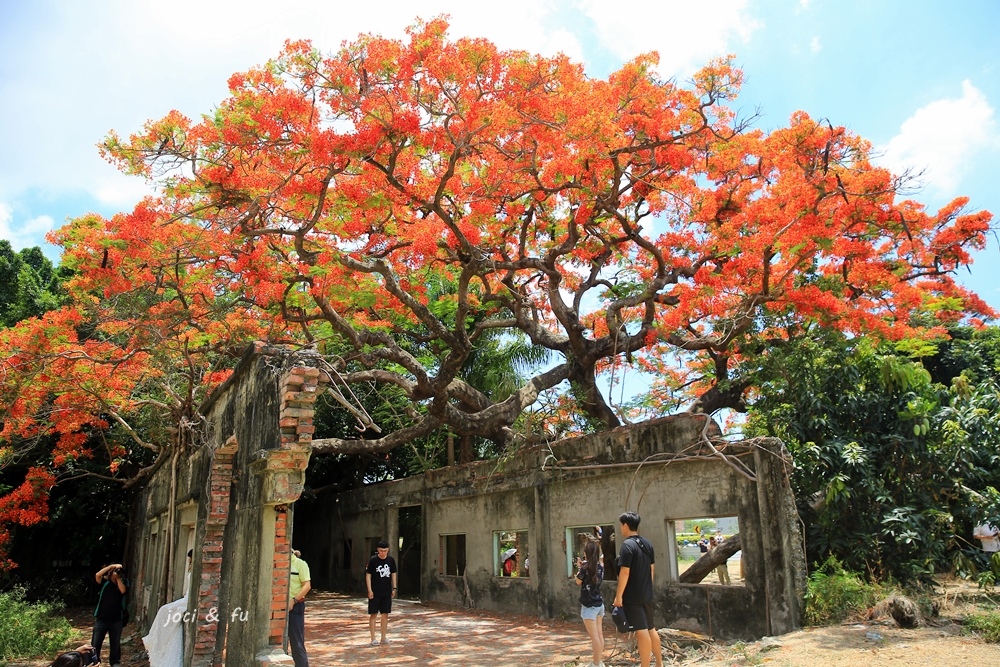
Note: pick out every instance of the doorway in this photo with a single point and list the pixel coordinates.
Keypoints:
(410, 549)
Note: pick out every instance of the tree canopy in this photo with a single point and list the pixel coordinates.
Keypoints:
(29, 284)
(398, 203)
(896, 459)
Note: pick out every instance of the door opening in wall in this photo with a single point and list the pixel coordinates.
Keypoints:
(410, 550)
(370, 544)
(346, 553)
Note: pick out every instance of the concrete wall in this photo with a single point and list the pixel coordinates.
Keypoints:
(653, 468)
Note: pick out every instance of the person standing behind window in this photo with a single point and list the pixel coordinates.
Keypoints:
(723, 568)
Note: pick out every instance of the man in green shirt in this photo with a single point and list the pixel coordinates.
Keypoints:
(299, 586)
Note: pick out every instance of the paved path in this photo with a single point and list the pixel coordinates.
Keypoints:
(337, 634)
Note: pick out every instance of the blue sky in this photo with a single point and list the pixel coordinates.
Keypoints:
(920, 79)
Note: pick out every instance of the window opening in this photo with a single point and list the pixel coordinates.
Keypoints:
(576, 537)
(694, 538)
(511, 557)
(453, 555)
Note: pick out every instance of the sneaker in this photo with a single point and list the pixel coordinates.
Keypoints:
(374, 642)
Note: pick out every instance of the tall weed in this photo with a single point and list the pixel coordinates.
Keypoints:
(986, 625)
(834, 594)
(30, 629)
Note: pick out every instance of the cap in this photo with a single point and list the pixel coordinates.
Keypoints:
(620, 620)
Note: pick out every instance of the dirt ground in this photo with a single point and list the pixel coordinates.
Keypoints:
(421, 634)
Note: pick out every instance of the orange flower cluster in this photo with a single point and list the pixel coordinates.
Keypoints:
(398, 201)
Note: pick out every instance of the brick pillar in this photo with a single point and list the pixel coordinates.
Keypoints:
(219, 485)
(299, 386)
(279, 578)
(285, 470)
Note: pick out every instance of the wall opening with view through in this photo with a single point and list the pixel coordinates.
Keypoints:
(693, 538)
(452, 555)
(577, 536)
(511, 557)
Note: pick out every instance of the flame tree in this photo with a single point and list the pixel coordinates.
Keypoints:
(399, 202)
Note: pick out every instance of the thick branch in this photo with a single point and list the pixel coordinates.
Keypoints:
(713, 559)
(384, 444)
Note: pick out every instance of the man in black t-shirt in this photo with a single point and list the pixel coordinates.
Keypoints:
(108, 615)
(634, 594)
(380, 577)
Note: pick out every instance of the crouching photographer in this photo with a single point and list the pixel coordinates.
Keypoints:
(80, 657)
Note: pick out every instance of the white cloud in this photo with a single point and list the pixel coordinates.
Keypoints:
(121, 192)
(940, 138)
(815, 45)
(24, 235)
(685, 34)
(87, 68)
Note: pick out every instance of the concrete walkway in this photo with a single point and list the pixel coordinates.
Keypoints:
(337, 634)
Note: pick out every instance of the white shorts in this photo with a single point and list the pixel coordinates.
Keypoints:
(591, 613)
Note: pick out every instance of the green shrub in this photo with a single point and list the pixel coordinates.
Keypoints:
(991, 575)
(986, 625)
(30, 629)
(834, 594)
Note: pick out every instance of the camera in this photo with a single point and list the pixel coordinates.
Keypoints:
(89, 657)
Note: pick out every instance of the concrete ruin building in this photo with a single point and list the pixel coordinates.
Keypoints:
(449, 529)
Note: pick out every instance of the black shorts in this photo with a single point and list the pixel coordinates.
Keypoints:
(640, 616)
(380, 605)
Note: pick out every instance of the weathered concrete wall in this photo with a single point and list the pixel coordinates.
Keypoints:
(583, 482)
(231, 494)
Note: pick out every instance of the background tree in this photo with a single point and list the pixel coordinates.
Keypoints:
(46, 506)
(399, 204)
(29, 284)
(892, 468)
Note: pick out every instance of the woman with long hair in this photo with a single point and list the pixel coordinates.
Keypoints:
(79, 658)
(589, 578)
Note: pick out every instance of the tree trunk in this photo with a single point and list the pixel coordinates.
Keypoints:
(589, 398)
(713, 559)
(716, 398)
(465, 449)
